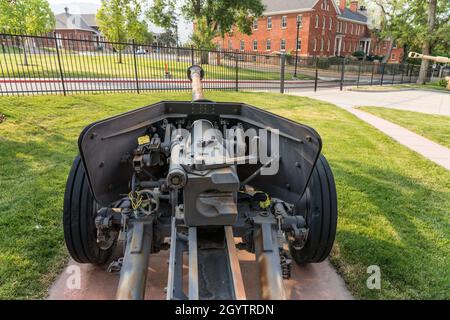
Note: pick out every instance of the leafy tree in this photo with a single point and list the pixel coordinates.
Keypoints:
(417, 25)
(163, 14)
(120, 21)
(166, 38)
(388, 21)
(212, 18)
(29, 17)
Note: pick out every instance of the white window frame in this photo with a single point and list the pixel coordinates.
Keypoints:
(283, 41)
(269, 23)
(315, 45)
(255, 45)
(255, 24)
(329, 44)
(317, 21)
(321, 44)
(299, 44)
(324, 22)
(268, 45)
(230, 44)
(345, 28)
(331, 23)
(242, 45)
(283, 22)
(300, 19)
(393, 56)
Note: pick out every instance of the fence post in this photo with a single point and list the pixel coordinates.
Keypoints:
(342, 74)
(192, 56)
(393, 74)
(371, 77)
(59, 64)
(282, 75)
(359, 74)
(403, 72)
(135, 67)
(316, 75)
(237, 71)
(383, 66)
(410, 73)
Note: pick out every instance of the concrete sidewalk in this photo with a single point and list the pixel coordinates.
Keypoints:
(418, 100)
(411, 100)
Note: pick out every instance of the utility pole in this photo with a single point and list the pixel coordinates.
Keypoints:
(296, 47)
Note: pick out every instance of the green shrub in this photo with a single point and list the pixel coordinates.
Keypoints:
(442, 83)
(359, 54)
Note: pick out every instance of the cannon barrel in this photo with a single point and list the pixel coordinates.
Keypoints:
(415, 55)
(196, 75)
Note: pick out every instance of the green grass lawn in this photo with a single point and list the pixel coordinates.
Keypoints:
(394, 205)
(433, 127)
(107, 66)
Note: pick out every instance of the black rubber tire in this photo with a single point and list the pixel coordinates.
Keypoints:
(79, 214)
(320, 208)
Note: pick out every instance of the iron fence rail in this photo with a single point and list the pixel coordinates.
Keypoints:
(32, 65)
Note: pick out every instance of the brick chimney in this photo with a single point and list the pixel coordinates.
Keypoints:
(354, 6)
(342, 4)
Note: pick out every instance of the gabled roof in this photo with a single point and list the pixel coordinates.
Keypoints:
(275, 6)
(285, 6)
(348, 14)
(67, 21)
(90, 19)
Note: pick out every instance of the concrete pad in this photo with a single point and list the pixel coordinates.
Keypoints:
(315, 281)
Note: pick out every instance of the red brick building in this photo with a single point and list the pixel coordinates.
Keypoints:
(77, 26)
(326, 29)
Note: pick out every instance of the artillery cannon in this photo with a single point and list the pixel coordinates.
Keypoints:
(415, 55)
(438, 59)
(192, 177)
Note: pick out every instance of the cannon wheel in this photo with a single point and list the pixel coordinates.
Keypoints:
(320, 202)
(79, 214)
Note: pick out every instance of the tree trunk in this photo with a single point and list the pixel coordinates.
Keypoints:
(204, 57)
(389, 52)
(120, 57)
(25, 56)
(426, 49)
(405, 53)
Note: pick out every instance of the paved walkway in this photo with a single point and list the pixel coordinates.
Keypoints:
(412, 100)
(311, 282)
(419, 100)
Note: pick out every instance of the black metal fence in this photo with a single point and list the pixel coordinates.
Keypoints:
(53, 65)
